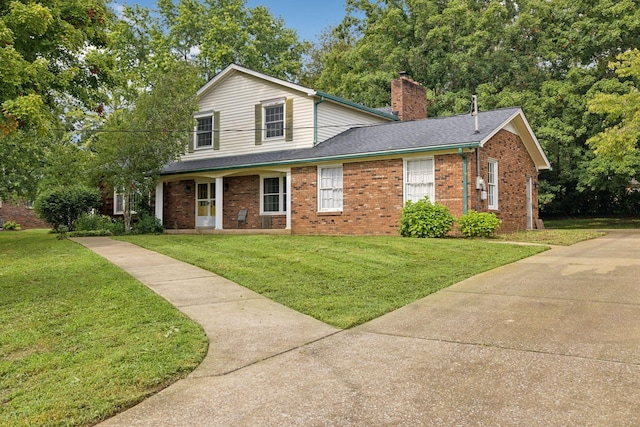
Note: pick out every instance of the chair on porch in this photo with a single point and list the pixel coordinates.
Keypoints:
(242, 217)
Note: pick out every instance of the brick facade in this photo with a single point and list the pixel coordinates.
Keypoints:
(243, 192)
(179, 204)
(22, 215)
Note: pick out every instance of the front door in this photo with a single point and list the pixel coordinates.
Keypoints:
(206, 204)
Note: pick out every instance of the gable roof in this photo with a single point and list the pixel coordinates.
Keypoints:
(431, 134)
(234, 68)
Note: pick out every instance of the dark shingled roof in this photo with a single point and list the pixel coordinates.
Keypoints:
(412, 136)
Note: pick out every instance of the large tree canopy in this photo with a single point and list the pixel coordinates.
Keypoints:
(52, 62)
(546, 56)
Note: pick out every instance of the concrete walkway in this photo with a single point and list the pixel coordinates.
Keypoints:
(550, 340)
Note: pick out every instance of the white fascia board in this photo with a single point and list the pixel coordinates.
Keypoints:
(237, 68)
(529, 139)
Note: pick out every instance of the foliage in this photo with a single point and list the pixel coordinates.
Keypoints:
(95, 222)
(478, 224)
(62, 206)
(89, 233)
(593, 223)
(52, 61)
(425, 219)
(11, 226)
(81, 339)
(147, 224)
(137, 142)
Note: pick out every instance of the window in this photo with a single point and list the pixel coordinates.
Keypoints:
(274, 120)
(274, 194)
(118, 203)
(330, 189)
(204, 132)
(492, 184)
(419, 179)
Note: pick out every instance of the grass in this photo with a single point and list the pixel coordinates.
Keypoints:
(550, 237)
(342, 281)
(81, 340)
(592, 223)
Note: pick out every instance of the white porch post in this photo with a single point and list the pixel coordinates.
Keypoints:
(219, 202)
(159, 200)
(289, 196)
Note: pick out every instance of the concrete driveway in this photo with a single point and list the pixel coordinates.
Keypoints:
(551, 340)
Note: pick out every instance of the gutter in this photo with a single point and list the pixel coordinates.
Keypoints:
(356, 106)
(315, 119)
(465, 190)
(331, 158)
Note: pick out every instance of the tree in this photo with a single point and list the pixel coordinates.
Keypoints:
(138, 140)
(51, 60)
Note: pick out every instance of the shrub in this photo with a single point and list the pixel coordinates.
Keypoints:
(91, 222)
(147, 224)
(478, 224)
(90, 233)
(425, 219)
(11, 226)
(62, 206)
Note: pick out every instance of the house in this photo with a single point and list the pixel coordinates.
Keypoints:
(270, 154)
(20, 212)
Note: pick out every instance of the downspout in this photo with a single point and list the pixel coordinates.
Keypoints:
(315, 119)
(465, 190)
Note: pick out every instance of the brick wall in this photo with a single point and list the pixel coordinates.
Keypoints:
(514, 165)
(179, 204)
(24, 216)
(372, 194)
(243, 192)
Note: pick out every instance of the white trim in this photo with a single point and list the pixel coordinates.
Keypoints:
(320, 188)
(233, 68)
(160, 201)
(202, 115)
(288, 226)
(274, 103)
(281, 193)
(219, 202)
(405, 170)
(492, 187)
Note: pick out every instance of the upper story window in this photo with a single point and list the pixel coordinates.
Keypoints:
(330, 189)
(419, 179)
(207, 131)
(492, 184)
(274, 120)
(204, 132)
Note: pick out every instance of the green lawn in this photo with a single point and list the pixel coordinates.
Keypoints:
(342, 281)
(79, 339)
(592, 223)
(551, 237)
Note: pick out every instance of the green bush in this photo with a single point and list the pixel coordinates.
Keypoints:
(62, 206)
(147, 224)
(478, 224)
(90, 233)
(425, 219)
(11, 226)
(91, 222)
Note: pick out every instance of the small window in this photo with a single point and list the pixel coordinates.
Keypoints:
(419, 179)
(118, 203)
(330, 189)
(204, 132)
(274, 120)
(274, 195)
(492, 184)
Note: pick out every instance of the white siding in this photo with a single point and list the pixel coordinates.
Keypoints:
(235, 98)
(336, 118)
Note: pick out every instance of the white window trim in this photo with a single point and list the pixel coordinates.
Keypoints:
(282, 194)
(202, 115)
(492, 187)
(320, 207)
(273, 103)
(116, 211)
(405, 171)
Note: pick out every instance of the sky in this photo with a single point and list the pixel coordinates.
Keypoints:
(307, 17)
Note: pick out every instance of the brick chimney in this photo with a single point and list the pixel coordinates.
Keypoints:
(408, 98)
